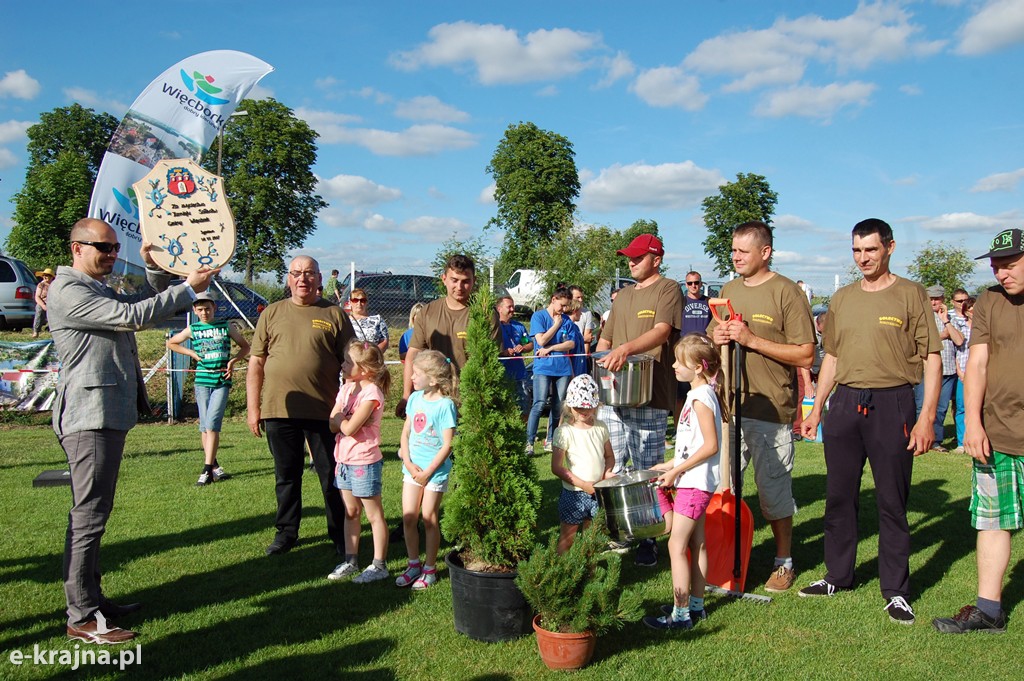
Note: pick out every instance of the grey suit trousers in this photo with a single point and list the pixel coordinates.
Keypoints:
(94, 457)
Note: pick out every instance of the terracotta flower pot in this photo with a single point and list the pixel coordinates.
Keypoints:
(564, 651)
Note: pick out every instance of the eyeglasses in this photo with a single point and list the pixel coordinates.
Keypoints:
(693, 283)
(303, 274)
(959, 300)
(357, 300)
(101, 246)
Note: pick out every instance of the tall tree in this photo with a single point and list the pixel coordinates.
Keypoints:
(536, 185)
(65, 150)
(748, 198)
(267, 168)
(474, 247)
(582, 256)
(942, 263)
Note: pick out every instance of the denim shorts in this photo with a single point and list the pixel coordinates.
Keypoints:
(576, 506)
(431, 486)
(211, 402)
(363, 480)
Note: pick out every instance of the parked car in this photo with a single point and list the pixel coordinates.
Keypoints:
(17, 294)
(250, 303)
(393, 295)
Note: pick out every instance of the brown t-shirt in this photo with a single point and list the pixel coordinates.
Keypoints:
(999, 324)
(880, 339)
(634, 313)
(776, 310)
(443, 329)
(304, 346)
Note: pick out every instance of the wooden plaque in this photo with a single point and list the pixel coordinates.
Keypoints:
(184, 214)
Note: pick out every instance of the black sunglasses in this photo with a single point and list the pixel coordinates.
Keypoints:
(101, 246)
(693, 283)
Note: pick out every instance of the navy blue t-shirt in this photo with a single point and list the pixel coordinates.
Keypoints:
(696, 315)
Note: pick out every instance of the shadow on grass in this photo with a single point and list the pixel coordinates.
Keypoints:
(337, 663)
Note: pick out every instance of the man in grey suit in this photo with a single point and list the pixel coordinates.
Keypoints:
(100, 392)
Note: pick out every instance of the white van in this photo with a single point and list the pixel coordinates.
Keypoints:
(529, 293)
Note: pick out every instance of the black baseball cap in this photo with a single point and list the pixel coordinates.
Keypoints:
(1007, 242)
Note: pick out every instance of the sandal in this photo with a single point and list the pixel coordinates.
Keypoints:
(425, 581)
(409, 576)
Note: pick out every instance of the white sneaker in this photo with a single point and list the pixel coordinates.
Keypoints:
(547, 445)
(343, 571)
(371, 574)
(220, 474)
(204, 479)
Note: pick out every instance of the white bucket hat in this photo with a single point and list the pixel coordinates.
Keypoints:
(583, 393)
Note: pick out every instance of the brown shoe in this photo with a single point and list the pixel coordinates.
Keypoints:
(101, 634)
(781, 580)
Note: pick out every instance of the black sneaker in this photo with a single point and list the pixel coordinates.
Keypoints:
(819, 588)
(899, 610)
(695, 615)
(666, 622)
(647, 553)
(970, 618)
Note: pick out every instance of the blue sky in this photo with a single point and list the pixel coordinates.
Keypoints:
(907, 111)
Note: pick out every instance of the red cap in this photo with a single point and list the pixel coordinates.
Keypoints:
(642, 245)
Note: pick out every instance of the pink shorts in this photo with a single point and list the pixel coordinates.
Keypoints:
(685, 501)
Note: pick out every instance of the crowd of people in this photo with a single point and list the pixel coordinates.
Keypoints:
(316, 384)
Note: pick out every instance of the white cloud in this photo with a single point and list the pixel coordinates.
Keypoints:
(335, 217)
(19, 84)
(669, 86)
(999, 182)
(417, 140)
(429, 108)
(428, 229)
(91, 99)
(357, 191)
(499, 55)
(318, 118)
(12, 130)
(259, 92)
(999, 24)
(779, 55)
(487, 193)
(908, 181)
(911, 90)
(814, 102)
(616, 68)
(792, 223)
(326, 83)
(7, 158)
(669, 185)
(970, 222)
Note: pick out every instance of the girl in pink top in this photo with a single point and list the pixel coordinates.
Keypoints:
(356, 420)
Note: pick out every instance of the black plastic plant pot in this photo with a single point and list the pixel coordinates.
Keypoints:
(488, 606)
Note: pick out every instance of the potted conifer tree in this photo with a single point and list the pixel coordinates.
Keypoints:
(576, 595)
(491, 510)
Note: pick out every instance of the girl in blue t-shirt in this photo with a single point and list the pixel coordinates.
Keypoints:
(426, 454)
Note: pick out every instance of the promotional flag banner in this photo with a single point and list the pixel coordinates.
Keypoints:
(177, 117)
(185, 217)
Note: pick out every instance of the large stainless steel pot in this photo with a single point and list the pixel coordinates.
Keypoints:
(630, 503)
(630, 386)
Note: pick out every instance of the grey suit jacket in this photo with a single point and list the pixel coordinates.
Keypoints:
(100, 383)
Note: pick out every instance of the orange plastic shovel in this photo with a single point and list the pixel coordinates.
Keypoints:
(729, 526)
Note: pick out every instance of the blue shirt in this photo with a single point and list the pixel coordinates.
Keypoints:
(430, 418)
(696, 315)
(555, 364)
(512, 334)
(403, 342)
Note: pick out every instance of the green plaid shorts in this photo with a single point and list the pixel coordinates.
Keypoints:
(997, 496)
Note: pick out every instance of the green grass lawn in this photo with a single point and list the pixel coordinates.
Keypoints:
(216, 607)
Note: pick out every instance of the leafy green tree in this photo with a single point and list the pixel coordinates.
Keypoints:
(65, 150)
(475, 248)
(536, 185)
(54, 197)
(638, 227)
(74, 129)
(748, 198)
(267, 168)
(942, 263)
(582, 256)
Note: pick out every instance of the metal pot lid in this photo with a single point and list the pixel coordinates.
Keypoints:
(627, 479)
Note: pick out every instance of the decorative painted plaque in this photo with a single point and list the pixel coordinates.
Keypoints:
(185, 216)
